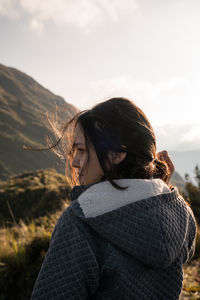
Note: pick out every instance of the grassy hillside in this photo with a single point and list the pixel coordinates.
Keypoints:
(32, 195)
(24, 105)
(30, 206)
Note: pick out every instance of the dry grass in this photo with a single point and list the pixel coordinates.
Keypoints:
(191, 282)
(23, 248)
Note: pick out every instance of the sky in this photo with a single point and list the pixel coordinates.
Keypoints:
(90, 50)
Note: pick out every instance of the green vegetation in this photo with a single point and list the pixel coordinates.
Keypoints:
(194, 193)
(23, 248)
(36, 200)
(197, 251)
(23, 120)
(32, 195)
(193, 197)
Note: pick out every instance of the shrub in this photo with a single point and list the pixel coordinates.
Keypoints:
(32, 195)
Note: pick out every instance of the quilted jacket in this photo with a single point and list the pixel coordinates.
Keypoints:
(119, 244)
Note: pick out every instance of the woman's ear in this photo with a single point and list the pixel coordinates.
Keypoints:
(116, 157)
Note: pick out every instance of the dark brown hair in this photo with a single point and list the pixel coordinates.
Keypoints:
(118, 125)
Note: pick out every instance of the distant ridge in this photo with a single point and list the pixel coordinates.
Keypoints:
(23, 107)
(179, 182)
(185, 162)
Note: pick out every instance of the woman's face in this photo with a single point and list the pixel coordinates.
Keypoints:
(87, 164)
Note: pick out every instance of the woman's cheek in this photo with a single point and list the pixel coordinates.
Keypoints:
(83, 160)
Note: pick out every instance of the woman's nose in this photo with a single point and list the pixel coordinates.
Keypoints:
(75, 162)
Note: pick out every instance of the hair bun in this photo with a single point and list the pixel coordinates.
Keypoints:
(161, 170)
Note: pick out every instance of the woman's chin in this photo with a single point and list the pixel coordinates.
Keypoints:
(81, 180)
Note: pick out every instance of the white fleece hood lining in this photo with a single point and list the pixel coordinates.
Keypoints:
(102, 197)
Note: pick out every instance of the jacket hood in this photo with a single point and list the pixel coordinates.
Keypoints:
(147, 220)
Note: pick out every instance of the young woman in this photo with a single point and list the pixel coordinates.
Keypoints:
(127, 233)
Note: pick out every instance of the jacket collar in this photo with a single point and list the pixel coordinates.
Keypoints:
(101, 197)
(79, 189)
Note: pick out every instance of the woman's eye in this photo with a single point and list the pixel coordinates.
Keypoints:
(81, 150)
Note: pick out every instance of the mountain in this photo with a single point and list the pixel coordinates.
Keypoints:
(185, 161)
(179, 182)
(24, 105)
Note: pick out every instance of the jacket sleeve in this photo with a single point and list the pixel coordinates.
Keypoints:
(188, 247)
(70, 270)
(192, 228)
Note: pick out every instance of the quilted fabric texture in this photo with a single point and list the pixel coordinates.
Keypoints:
(132, 252)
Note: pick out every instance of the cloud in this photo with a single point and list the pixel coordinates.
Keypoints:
(37, 26)
(191, 136)
(81, 13)
(9, 8)
(179, 137)
(174, 101)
